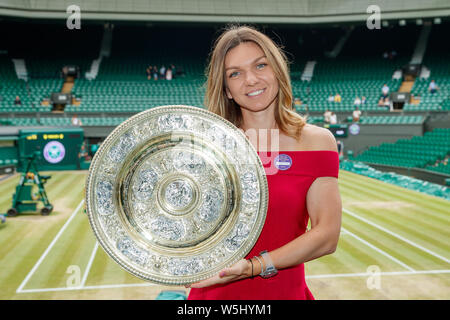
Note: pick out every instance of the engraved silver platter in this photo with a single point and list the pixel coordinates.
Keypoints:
(175, 194)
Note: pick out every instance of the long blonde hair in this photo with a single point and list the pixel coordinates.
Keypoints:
(216, 100)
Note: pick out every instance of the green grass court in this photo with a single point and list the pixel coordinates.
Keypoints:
(395, 244)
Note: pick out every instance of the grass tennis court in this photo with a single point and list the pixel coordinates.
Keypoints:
(395, 244)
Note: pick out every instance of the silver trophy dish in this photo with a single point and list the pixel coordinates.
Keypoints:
(175, 194)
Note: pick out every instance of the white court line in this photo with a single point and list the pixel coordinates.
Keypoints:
(320, 276)
(379, 250)
(108, 286)
(89, 265)
(396, 235)
(368, 274)
(38, 263)
(413, 272)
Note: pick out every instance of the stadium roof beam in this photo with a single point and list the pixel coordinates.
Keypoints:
(225, 11)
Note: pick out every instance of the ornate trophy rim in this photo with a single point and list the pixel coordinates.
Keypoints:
(164, 279)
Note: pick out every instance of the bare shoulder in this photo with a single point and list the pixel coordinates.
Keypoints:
(317, 138)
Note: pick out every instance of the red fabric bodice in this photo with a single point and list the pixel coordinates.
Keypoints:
(287, 219)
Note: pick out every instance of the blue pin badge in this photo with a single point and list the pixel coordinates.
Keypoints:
(283, 162)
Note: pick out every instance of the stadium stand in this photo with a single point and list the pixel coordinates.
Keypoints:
(324, 61)
(360, 70)
(430, 151)
(421, 152)
(122, 85)
(44, 50)
(436, 62)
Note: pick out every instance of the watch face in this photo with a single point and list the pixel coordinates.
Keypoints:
(269, 272)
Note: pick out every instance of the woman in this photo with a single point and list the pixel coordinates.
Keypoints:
(248, 84)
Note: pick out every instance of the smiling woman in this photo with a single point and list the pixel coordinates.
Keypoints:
(251, 84)
(248, 71)
(248, 84)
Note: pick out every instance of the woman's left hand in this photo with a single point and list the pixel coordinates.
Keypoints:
(240, 270)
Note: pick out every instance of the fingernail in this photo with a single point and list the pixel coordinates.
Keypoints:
(222, 274)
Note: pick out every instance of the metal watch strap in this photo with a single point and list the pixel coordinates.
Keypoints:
(270, 269)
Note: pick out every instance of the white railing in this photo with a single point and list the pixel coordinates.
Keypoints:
(20, 68)
(421, 45)
(308, 72)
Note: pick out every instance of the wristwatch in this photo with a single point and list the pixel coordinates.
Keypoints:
(270, 270)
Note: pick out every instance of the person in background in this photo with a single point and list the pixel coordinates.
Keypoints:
(356, 114)
(169, 74)
(162, 72)
(363, 100)
(155, 73)
(333, 118)
(385, 91)
(337, 98)
(174, 70)
(83, 155)
(76, 121)
(357, 101)
(327, 116)
(340, 147)
(17, 101)
(149, 72)
(433, 88)
(248, 84)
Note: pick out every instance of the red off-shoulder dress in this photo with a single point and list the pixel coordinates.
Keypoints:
(287, 219)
